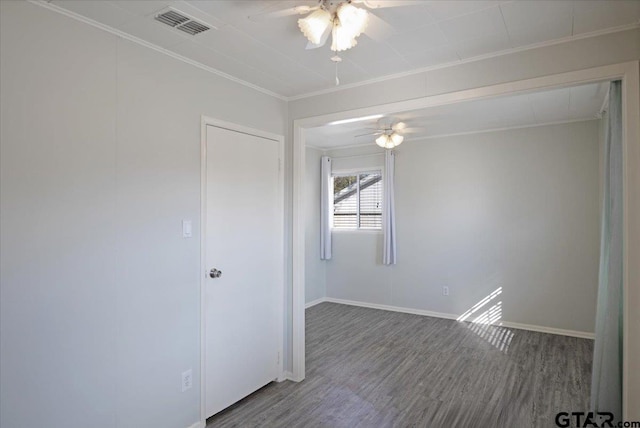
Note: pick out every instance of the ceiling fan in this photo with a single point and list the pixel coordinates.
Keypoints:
(343, 20)
(390, 132)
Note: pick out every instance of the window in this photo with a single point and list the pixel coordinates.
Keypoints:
(357, 200)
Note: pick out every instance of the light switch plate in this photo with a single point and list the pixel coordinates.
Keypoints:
(187, 380)
(187, 229)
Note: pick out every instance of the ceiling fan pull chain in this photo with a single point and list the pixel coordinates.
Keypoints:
(336, 59)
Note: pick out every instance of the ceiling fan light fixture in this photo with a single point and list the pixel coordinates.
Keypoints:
(354, 20)
(315, 25)
(389, 141)
(349, 22)
(341, 40)
(382, 140)
(396, 138)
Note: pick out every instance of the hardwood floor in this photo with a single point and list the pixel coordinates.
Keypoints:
(373, 368)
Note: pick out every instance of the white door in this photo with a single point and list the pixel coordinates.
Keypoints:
(243, 306)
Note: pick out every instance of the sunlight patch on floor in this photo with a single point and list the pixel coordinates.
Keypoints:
(484, 319)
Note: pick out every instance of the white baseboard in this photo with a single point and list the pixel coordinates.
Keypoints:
(392, 308)
(315, 302)
(198, 425)
(519, 326)
(550, 330)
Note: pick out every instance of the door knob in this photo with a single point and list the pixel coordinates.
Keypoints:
(215, 273)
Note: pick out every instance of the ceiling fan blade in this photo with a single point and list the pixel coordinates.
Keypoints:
(413, 130)
(398, 126)
(369, 134)
(323, 39)
(379, 4)
(378, 29)
(297, 10)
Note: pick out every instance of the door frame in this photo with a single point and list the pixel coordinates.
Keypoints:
(209, 121)
(628, 73)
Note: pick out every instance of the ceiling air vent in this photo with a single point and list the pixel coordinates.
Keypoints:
(193, 27)
(182, 22)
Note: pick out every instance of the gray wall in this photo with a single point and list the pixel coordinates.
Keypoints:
(69, 105)
(315, 282)
(516, 209)
(100, 152)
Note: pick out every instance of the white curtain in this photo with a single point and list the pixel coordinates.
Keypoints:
(389, 211)
(326, 208)
(606, 382)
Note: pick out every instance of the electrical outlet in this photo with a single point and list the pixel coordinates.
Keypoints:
(187, 380)
(445, 290)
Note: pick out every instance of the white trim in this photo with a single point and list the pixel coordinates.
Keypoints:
(631, 250)
(543, 83)
(391, 308)
(242, 129)
(282, 277)
(464, 61)
(315, 302)
(204, 122)
(423, 312)
(286, 375)
(549, 330)
(202, 267)
(629, 73)
(298, 256)
(198, 425)
(127, 36)
(70, 14)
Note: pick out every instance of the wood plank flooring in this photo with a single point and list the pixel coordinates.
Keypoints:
(373, 368)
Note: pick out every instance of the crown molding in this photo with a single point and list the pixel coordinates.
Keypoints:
(466, 61)
(127, 36)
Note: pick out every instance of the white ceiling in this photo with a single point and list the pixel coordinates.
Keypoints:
(539, 108)
(272, 55)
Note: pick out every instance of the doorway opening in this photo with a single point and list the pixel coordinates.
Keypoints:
(627, 72)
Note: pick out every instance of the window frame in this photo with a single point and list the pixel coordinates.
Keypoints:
(357, 172)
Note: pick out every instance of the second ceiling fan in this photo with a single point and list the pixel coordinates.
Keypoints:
(390, 132)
